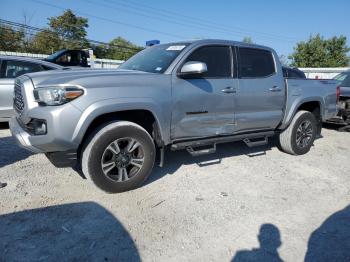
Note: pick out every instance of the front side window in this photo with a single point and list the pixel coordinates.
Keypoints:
(217, 59)
(13, 68)
(255, 63)
(155, 59)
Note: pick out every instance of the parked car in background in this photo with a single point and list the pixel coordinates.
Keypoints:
(69, 58)
(186, 95)
(10, 68)
(289, 72)
(344, 97)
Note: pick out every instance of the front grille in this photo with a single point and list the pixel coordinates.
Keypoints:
(18, 102)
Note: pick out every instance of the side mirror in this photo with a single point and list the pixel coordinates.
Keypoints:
(192, 68)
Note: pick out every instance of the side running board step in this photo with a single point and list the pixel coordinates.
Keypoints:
(256, 142)
(252, 137)
(200, 152)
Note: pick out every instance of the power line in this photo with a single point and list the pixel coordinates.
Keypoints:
(110, 20)
(198, 21)
(20, 25)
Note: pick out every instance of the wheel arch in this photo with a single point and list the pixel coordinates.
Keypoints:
(314, 105)
(144, 114)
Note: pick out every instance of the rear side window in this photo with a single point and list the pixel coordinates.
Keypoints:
(217, 59)
(255, 63)
(13, 68)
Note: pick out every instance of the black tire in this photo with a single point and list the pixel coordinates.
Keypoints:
(288, 141)
(99, 144)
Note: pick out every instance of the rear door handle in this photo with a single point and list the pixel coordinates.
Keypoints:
(229, 90)
(275, 89)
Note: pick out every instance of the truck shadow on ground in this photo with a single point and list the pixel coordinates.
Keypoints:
(72, 232)
(175, 159)
(10, 152)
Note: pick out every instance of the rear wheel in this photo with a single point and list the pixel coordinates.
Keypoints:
(298, 138)
(119, 157)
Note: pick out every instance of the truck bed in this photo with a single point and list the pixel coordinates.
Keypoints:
(301, 90)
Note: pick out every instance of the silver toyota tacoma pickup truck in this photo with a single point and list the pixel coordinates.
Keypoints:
(186, 95)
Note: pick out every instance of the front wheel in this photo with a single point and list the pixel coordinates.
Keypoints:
(298, 138)
(119, 157)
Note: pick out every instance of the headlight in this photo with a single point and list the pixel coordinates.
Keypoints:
(57, 95)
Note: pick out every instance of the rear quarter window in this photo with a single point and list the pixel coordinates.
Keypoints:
(255, 63)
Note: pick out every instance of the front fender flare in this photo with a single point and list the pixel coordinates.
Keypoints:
(121, 104)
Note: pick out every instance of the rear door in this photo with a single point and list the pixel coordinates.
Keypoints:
(259, 102)
(204, 106)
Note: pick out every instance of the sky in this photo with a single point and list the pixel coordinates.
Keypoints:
(279, 24)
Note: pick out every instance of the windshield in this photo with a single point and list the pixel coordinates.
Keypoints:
(155, 59)
(55, 55)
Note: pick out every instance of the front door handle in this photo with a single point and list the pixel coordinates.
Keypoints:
(229, 90)
(275, 89)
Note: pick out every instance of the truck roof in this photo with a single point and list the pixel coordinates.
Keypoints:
(221, 41)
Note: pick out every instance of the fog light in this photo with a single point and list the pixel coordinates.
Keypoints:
(37, 127)
(40, 128)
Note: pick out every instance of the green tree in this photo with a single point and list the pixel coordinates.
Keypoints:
(247, 40)
(45, 42)
(66, 31)
(320, 52)
(121, 49)
(10, 39)
(100, 51)
(71, 30)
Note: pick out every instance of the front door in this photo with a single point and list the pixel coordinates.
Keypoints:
(204, 106)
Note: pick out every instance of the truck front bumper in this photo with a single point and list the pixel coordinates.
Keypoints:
(59, 159)
(21, 136)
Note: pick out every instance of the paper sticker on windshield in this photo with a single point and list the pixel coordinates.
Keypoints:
(176, 47)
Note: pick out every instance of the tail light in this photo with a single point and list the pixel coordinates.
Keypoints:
(337, 92)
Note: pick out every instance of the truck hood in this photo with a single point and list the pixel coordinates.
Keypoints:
(55, 77)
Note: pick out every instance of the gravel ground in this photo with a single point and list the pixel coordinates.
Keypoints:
(240, 203)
